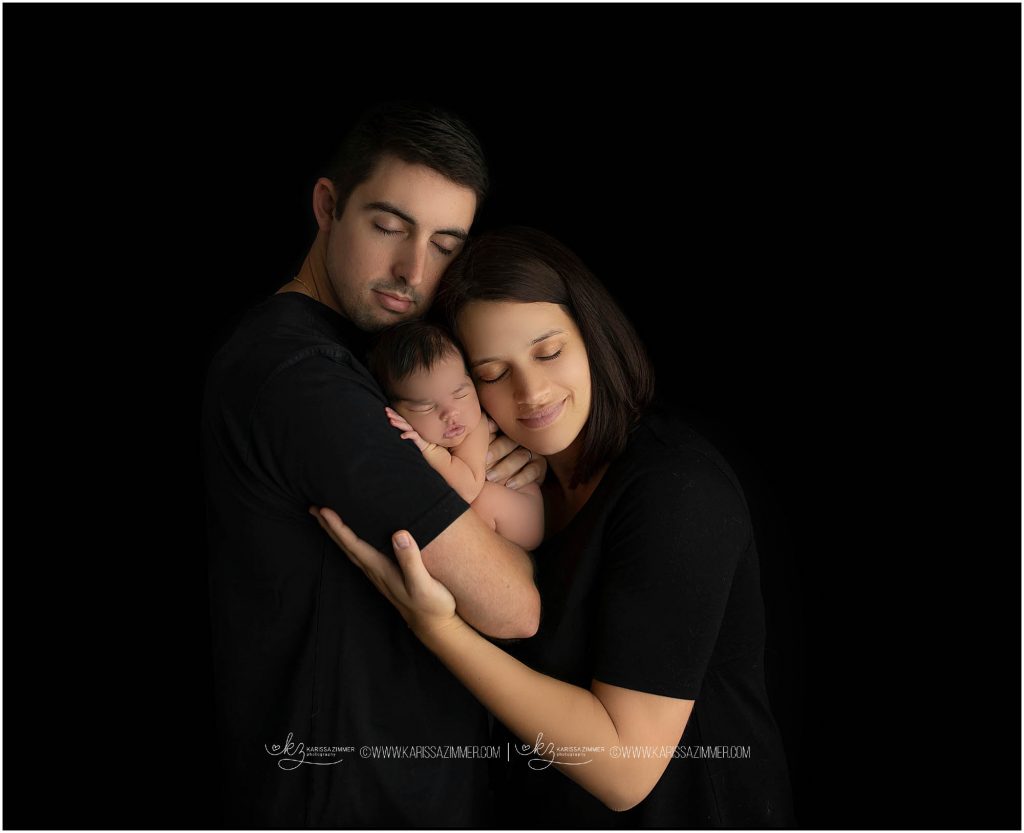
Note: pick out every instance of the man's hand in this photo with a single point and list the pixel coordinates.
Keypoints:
(408, 432)
(511, 465)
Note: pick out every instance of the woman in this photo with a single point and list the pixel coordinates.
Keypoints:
(644, 684)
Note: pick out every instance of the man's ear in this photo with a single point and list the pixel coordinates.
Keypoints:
(324, 201)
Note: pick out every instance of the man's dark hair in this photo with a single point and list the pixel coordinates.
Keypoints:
(526, 265)
(416, 133)
(406, 348)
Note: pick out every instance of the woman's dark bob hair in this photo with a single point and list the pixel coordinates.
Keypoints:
(526, 265)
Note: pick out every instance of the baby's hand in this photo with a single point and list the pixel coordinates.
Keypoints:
(408, 433)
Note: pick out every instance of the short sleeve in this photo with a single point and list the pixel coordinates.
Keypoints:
(320, 433)
(671, 548)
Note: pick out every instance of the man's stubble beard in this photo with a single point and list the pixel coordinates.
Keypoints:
(369, 320)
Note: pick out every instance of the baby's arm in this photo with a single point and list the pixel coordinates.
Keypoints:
(473, 450)
(465, 479)
(515, 514)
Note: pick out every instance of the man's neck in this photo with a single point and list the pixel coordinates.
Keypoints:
(312, 278)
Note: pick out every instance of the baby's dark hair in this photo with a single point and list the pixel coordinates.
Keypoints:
(406, 348)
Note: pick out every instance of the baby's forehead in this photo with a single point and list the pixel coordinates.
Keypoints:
(442, 377)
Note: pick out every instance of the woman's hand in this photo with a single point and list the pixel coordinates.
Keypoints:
(510, 464)
(425, 603)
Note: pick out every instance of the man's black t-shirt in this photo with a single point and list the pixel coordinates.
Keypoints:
(305, 648)
(654, 586)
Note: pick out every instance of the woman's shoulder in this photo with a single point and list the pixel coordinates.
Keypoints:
(671, 481)
(664, 445)
(662, 433)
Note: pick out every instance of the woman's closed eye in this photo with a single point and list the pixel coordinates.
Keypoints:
(502, 375)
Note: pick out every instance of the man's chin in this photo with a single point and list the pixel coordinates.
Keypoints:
(373, 321)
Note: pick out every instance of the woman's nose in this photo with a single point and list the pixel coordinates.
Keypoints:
(532, 387)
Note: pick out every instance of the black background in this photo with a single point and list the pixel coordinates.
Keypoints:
(811, 213)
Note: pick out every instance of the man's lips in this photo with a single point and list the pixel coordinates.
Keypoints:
(395, 303)
(455, 431)
(544, 417)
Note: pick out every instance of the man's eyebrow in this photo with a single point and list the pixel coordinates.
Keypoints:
(461, 234)
(535, 341)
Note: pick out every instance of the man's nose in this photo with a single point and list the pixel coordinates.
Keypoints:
(411, 264)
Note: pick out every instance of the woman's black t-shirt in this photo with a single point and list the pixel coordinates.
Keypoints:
(654, 586)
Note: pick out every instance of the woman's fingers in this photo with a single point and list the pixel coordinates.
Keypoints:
(420, 598)
(410, 560)
(533, 472)
(499, 448)
(520, 467)
(509, 464)
(427, 595)
(380, 569)
(331, 534)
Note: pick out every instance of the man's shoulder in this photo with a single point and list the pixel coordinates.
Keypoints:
(285, 340)
(663, 442)
(282, 330)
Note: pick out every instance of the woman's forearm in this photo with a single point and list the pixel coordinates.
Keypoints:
(547, 715)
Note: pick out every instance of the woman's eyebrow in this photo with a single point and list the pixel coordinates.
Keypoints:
(461, 234)
(535, 341)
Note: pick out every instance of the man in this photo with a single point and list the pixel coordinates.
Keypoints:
(314, 673)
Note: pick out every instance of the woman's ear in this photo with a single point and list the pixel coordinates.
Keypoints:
(324, 203)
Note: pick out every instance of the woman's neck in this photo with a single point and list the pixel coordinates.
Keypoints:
(564, 501)
(563, 465)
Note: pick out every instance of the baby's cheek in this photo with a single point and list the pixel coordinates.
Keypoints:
(475, 412)
(487, 403)
(420, 425)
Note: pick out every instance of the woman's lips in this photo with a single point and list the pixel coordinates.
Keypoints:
(544, 417)
(455, 431)
(394, 303)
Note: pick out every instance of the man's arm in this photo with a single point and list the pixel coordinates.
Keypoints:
(494, 591)
(318, 431)
(490, 578)
(462, 468)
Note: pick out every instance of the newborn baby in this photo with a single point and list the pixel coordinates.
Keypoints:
(434, 404)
